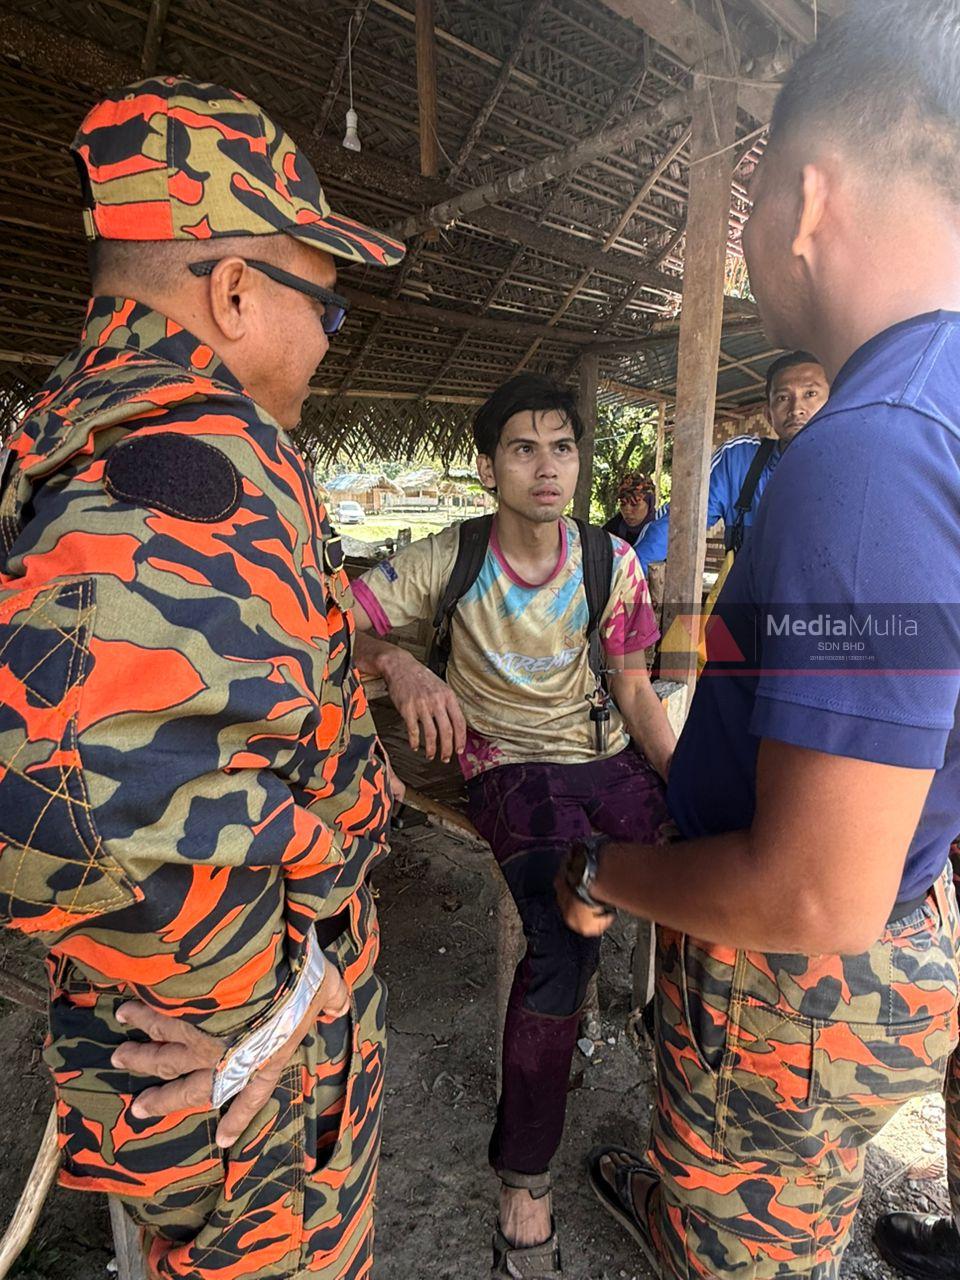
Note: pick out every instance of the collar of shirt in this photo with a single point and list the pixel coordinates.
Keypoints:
(124, 323)
(875, 345)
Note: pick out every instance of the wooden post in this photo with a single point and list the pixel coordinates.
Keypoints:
(661, 441)
(131, 1264)
(33, 1197)
(427, 89)
(589, 377)
(701, 320)
(152, 40)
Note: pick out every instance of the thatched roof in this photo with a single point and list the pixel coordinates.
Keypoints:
(532, 278)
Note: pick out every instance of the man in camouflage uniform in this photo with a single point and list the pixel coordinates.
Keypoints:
(191, 788)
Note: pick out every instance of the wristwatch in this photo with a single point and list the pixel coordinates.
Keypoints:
(582, 867)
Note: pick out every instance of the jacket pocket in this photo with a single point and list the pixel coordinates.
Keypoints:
(54, 870)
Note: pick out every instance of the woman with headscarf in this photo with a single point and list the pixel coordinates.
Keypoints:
(635, 498)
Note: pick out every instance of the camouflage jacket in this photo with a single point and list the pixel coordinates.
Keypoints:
(189, 773)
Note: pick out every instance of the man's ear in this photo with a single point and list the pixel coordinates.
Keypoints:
(767, 414)
(230, 290)
(485, 471)
(815, 187)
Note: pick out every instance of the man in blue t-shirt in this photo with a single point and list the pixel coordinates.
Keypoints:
(807, 977)
(796, 389)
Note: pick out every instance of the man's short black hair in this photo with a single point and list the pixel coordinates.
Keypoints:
(787, 362)
(885, 79)
(526, 391)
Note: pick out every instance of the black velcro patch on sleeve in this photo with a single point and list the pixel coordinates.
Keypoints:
(175, 474)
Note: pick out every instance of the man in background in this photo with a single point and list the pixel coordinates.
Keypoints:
(741, 469)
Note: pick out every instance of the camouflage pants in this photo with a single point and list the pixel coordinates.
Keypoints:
(292, 1198)
(775, 1071)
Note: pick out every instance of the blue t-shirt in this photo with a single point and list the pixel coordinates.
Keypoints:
(729, 467)
(838, 628)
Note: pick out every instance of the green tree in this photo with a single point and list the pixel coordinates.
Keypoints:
(626, 441)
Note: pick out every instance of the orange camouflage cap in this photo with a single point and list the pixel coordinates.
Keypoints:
(171, 159)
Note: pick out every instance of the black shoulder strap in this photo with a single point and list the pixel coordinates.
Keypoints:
(471, 552)
(597, 547)
(734, 539)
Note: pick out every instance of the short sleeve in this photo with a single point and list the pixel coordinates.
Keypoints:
(629, 624)
(407, 587)
(854, 566)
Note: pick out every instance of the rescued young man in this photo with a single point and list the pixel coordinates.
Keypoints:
(541, 769)
(192, 790)
(741, 469)
(807, 965)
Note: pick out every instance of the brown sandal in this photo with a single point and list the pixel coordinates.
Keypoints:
(530, 1262)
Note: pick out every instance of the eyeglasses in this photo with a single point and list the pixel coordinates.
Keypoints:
(335, 307)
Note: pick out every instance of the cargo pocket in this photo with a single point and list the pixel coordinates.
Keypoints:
(54, 870)
(863, 1073)
(763, 1093)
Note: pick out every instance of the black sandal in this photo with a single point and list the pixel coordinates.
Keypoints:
(617, 1198)
(529, 1262)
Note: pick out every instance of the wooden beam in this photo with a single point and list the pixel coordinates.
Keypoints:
(427, 88)
(675, 25)
(789, 15)
(519, 330)
(373, 394)
(701, 321)
(669, 110)
(651, 180)
(587, 403)
(531, 16)
(154, 37)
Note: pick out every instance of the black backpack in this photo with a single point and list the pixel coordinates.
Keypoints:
(472, 550)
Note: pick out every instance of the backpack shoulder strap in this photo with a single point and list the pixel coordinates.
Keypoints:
(597, 550)
(748, 489)
(471, 553)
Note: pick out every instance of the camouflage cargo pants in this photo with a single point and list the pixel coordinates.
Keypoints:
(292, 1198)
(775, 1071)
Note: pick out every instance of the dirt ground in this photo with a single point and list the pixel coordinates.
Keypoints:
(437, 903)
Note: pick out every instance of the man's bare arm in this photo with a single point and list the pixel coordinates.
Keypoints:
(429, 709)
(643, 713)
(817, 872)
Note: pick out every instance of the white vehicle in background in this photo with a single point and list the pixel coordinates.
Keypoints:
(350, 513)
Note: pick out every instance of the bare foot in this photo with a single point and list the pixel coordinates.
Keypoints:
(523, 1220)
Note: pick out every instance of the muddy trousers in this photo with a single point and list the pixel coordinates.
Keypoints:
(530, 814)
(293, 1198)
(775, 1071)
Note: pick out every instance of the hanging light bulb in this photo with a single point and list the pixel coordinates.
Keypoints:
(351, 139)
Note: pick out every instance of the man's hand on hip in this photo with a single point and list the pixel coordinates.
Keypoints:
(187, 1058)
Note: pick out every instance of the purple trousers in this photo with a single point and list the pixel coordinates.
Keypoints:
(530, 814)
